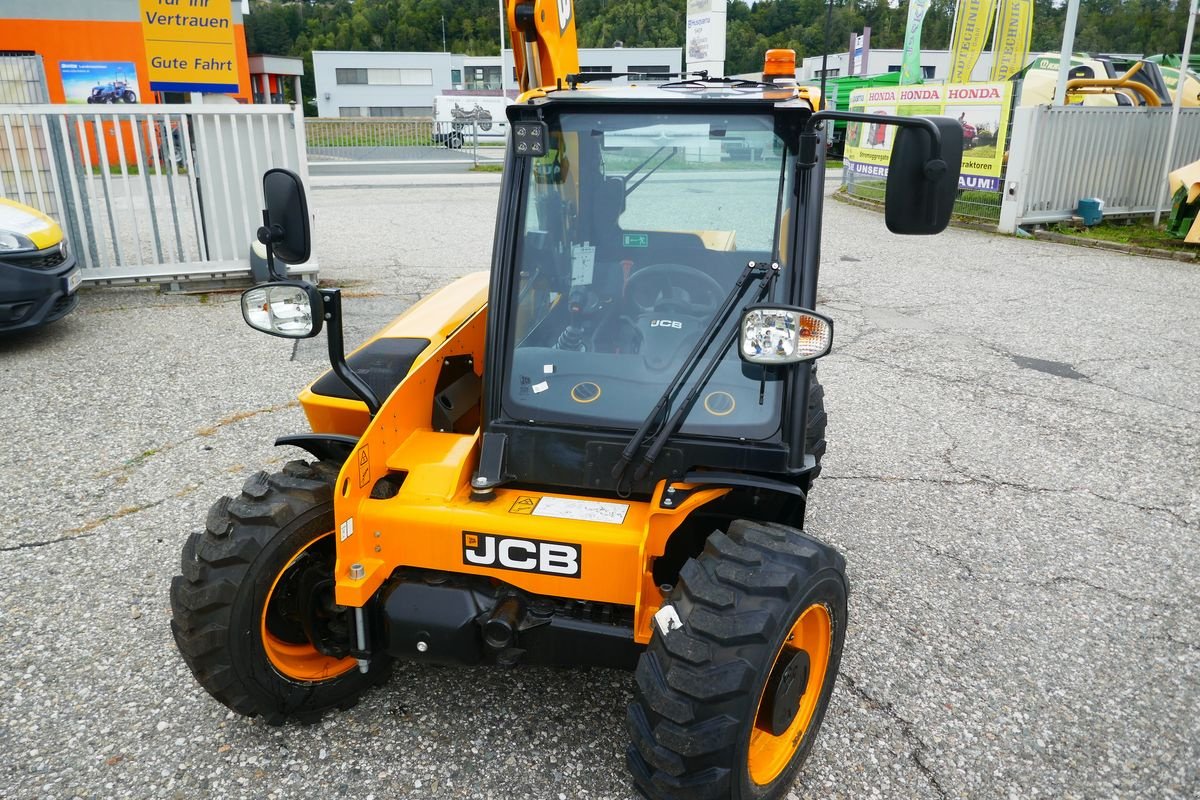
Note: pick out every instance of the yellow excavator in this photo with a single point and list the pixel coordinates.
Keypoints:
(599, 453)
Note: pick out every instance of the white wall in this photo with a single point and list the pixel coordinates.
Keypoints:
(332, 96)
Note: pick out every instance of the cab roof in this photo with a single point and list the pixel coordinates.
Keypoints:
(636, 91)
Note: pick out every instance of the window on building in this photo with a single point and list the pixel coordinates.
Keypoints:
(351, 76)
(416, 77)
(656, 68)
(926, 72)
(383, 77)
(596, 69)
(829, 73)
(483, 77)
(456, 76)
(379, 76)
(401, 111)
(349, 111)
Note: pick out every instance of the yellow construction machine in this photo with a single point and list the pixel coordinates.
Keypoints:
(598, 454)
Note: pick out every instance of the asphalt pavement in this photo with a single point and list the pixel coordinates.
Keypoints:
(1012, 476)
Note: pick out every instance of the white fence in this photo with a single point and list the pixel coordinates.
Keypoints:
(150, 193)
(383, 140)
(1059, 155)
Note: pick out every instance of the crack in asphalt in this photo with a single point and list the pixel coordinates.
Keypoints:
(987, 482)
(983, 479)
(972, 383)
(89, 529)
(137, 461)
(907, 731)
(1057, 581)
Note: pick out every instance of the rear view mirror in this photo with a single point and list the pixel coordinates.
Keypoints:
(920, 188)
(286, 227)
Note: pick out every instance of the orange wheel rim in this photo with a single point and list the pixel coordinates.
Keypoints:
(769, 754)
(299, 661)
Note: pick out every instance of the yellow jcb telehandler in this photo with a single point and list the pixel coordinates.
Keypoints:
(598, 454)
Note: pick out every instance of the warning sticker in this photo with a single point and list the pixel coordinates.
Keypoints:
(523, 505)
(364, 467)
(583, 510)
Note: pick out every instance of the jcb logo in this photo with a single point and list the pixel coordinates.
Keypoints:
(665, 323)
(524, 555)
(564, 14)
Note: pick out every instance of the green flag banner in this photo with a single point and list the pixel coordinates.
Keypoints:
(972, 23)
(910, 62)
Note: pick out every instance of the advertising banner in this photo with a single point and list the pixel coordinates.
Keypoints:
(704, 41)
(190, 45)
(972, 23)
(910, 62)
(99, 81)
(982, 109)
(1010, 43)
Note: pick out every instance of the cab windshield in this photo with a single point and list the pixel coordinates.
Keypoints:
(635, 228)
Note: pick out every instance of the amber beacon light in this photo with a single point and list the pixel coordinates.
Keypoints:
(779, 63)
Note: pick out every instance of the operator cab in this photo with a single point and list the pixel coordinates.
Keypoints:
(607, 303)
(630, 232)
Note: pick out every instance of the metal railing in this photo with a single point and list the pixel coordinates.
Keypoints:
(1060, 155)
(401, 139)
(150, 193)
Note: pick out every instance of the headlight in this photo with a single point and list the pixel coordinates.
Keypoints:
(291, 310)
(773, 335)
(14, 243)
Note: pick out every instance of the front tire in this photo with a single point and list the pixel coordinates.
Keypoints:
(256, 586)
(728, 705)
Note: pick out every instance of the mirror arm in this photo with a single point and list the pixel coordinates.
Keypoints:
(267, 236)
(881, 119)
(337, 351)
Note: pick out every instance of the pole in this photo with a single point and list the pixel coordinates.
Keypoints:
(1064, 56)
(1183, 65)
(825, 52)
(444, 36)
(503, 72)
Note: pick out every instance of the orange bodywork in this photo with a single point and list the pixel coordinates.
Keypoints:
(550, 55)
(425, 524)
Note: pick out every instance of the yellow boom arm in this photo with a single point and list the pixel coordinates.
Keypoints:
(545, 49)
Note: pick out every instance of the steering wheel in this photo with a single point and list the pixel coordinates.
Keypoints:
(662, 287)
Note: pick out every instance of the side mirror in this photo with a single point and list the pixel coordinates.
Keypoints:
(293, 310)
(920, 188)
(285, 229)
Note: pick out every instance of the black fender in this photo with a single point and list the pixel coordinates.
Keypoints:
(333, 448)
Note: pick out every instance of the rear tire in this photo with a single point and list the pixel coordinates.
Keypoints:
(818, 420)
(234, 609)
(728, 705)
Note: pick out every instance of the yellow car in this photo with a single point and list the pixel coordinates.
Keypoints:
(38, 274)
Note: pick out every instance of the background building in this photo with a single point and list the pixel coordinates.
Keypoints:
(395, 84)
(82, 43)
(935, 64)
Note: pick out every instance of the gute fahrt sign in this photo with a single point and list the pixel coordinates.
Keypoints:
(190, 45)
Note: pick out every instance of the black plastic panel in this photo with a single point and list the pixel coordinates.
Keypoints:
(382, 364)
